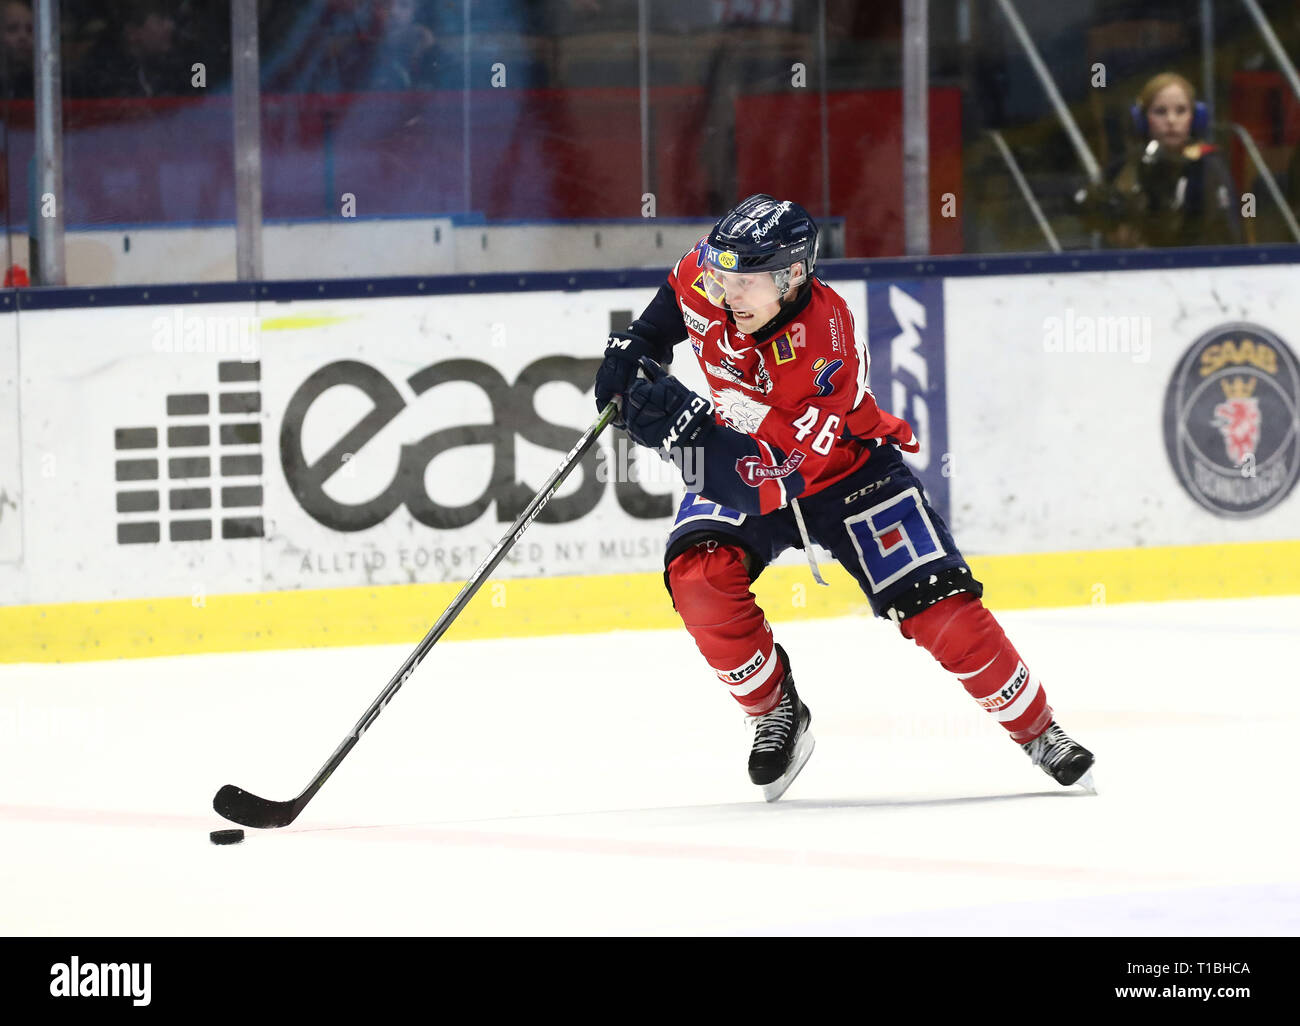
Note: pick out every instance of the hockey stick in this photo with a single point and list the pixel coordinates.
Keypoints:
(240, 806)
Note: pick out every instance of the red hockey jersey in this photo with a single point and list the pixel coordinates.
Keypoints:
(799, 389)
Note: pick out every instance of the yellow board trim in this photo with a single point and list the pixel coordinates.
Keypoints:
(301, 322)
(401, 614)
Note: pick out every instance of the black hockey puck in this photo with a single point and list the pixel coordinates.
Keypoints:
(226, 836)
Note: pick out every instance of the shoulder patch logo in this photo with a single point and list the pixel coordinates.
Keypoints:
(783, 348)
(698, 285)
(824, 371)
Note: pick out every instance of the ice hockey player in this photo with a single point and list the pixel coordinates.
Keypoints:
(793, 447)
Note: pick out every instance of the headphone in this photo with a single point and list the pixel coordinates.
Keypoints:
(1200, 121)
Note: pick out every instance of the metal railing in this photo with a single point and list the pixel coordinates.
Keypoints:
(1270, 182)
(1275, 47)
(1063, 114)
(1025, 191)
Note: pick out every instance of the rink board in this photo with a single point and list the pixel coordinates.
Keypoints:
(228, 475)
(561, 605)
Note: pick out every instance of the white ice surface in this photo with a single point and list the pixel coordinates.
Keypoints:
(597, 784)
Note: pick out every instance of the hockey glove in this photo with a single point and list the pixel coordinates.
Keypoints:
(663, 414)
(619, 368)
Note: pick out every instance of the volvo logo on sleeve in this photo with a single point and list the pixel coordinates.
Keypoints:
(1232, 420)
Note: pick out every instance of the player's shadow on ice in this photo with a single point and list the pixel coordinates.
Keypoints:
(814, 805)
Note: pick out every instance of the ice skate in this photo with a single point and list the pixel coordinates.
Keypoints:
(782, 740)
(1063, 759)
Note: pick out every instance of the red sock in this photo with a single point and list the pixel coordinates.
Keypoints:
(966, 639)
(710, 589)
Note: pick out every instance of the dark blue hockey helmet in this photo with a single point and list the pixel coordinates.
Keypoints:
(762, 234)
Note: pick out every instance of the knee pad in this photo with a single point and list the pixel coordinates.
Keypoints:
(707, 580)
(968, 641)
(955, 629)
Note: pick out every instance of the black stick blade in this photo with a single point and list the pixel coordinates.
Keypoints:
(240, 806)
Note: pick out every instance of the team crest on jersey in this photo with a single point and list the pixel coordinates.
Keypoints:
(739, 410)
(783, 348)
(753, 471)
(823, 372)
(1232, 420)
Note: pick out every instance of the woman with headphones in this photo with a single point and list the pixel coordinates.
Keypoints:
(1177, 190)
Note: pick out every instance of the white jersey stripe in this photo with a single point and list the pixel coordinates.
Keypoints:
(747, 687)
(864, 361)
(976, 673)
(770, 456)
(1021, 704)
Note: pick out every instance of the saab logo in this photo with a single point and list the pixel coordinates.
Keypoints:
(754, 471)
(235, 489)
(698, 286)
(783, 349)
(1238, 419)
(1232, 420)
(1008, 694)
(824, 372)
(748, 670)
(694, 322)
(727, 260)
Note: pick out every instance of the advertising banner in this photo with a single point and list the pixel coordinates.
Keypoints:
(11, 507)
(1124, 409)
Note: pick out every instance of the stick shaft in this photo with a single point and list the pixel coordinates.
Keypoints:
(490, 563)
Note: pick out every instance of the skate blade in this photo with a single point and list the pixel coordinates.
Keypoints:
(802, 750)
(1086, 783)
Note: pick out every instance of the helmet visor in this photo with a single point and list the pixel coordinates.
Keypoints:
(744, 290)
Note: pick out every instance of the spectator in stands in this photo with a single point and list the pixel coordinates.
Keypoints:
(16, 55)
(405, 50)
(377, 45)
(1177, 190)
(140, 59)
